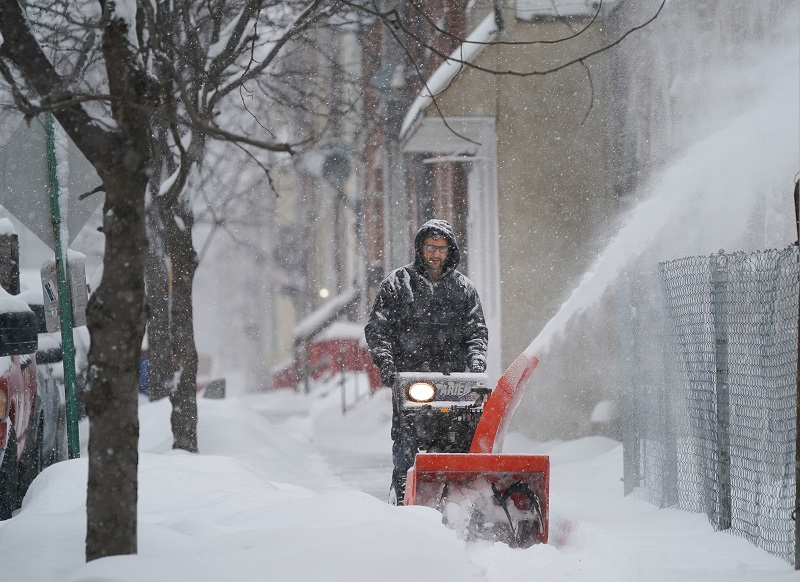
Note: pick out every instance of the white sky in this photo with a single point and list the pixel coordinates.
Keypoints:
(278, 493)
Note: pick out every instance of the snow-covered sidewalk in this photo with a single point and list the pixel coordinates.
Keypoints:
(277, 493)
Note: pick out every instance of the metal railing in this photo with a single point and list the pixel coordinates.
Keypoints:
(353, 388)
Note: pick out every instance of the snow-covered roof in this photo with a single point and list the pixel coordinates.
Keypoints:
(441, 78)
(342, 330)
(316, 321)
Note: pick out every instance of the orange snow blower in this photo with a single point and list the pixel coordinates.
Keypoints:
(456, 433)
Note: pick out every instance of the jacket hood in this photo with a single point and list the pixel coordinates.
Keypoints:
(442, 227)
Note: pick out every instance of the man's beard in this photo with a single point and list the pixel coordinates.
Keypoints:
(434, 267)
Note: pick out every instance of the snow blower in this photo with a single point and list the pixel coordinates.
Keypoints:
(453, 423)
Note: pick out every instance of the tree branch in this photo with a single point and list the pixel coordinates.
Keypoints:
(21, 48)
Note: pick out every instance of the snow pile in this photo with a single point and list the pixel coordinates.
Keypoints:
(268, 498)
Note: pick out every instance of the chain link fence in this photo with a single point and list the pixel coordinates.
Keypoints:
(713, 430)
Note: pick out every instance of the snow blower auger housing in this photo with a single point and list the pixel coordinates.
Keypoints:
(453, 424)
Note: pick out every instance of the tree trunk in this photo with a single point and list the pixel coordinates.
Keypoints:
(116, 316)
(116, 323)
(159, 354)
(184, 393)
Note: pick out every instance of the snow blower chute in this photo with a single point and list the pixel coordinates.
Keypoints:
(455, 433)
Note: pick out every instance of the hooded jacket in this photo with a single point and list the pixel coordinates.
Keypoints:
(422, 325)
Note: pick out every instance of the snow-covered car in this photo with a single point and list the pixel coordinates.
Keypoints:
(28, 411)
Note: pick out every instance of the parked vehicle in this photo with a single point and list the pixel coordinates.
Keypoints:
(50, 375)
(28, 411)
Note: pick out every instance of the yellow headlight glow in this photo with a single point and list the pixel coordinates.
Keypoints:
(421, 392)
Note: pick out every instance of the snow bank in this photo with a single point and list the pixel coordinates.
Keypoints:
(262, 502)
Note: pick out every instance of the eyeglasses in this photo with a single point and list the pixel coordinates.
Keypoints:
(433, 248)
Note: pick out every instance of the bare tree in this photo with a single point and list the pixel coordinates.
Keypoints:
(91, 65)
(138, 87)
(119, 149)
(225, 62)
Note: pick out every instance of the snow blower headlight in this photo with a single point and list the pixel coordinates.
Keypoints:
(421, 392)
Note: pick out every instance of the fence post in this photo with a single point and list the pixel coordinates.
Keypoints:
(797, 413)
(302, 366)
(632, 401)
(671, 395)
(719, 302)
(340, 361)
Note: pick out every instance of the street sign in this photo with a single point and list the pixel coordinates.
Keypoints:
(24, 189)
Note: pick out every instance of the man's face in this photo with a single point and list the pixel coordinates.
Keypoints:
(434, 254)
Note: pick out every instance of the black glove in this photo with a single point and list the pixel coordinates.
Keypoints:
(388, 375)
(477, 366)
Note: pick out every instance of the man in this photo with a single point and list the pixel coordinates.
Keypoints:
(427, 317)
